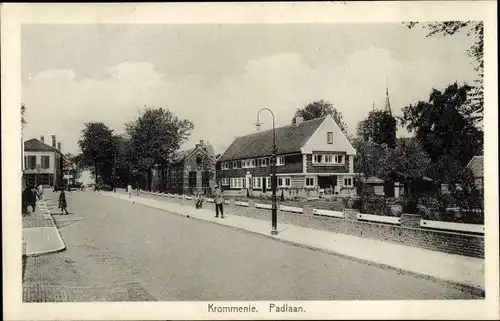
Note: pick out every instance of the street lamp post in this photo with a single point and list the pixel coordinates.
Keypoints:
(274, 150)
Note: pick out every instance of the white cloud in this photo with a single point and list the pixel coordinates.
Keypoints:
(222, 108)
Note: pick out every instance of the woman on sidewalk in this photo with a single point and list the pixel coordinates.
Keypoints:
(219, 202)
(62, 202)
(199, 201)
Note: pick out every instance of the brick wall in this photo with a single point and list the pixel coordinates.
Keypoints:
(409, 233)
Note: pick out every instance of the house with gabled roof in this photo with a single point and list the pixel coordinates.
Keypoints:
(192, 171)
(43, 164)
(312, 154)
(476, 165)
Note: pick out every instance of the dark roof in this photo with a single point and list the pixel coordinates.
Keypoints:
(289, 139)
(476, 164)
(34, 145)
(181, 155)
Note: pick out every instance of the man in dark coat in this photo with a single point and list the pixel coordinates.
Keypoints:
(26, 199)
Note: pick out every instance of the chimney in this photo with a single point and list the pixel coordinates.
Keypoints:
(42, 139)
(299, 120)
(53, 141)
(201, 142)
(59, 146)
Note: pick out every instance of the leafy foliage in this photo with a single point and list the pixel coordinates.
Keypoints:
(381, 125)
(98, 146)
(446, 129)
(72, 165)
(23, 112)
(318, 109)
(154, 137)
(474, 29)
(407, 161)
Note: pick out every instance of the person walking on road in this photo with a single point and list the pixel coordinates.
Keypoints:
(129, 190)
(199, 201)
(219, 202)
(62, 202)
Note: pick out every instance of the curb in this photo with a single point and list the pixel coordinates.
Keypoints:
(464, 287)
(63, 245)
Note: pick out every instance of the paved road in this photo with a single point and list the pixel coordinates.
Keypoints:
(119, 251)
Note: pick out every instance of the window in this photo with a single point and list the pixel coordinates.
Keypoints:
(252, 163)
(284, 182)
(329, 138)
(257, 182)
(348, 181)
(225, 166)
(268, 182)
(309, 181)
(280, 161)
(198, 160)
(235, 164)
(192, 179)
(237, 182)
(225, 181)
(328, 159)
(31, 162)
(46, 162)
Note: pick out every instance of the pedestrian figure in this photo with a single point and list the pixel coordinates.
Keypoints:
(32, 198)
(40, 191)
(129, 190)
(219, 202)
(199, 201)
(62, 202)
(26, 199)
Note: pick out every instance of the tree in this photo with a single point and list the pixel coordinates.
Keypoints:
(98, 147)
(155, 136)
(381, 126)
(407, 162)
(23, 112)
(446, 129)
(318, 109)
(369, 158)
(73, 167)
(475, 52)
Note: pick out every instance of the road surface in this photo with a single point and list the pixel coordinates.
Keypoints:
(119, 251)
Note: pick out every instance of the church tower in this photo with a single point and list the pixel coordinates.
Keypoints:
(387, 101)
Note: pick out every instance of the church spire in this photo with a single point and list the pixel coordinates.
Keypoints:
(387, 102)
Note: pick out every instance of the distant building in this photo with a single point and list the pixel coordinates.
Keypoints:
(43, 164)
(476, 165)
(192, 171)
(312, 154)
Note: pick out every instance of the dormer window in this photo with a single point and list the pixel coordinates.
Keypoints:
(329, 137)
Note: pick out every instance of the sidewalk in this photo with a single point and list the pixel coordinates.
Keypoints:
(460, 271)
(40, 234)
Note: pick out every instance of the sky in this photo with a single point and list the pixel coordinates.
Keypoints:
(219, 75)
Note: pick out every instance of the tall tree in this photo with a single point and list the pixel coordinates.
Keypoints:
(446, 129)
(98, 147)
(407, 162)
(23, 112)
(474, 29)
(155, 136)
(381, 126)
(72, 165)
(318, 109)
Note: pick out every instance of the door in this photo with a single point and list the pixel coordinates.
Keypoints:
(264, 184)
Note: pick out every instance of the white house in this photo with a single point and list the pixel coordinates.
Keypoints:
(43, 163)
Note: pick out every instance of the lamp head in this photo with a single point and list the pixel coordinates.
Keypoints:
(258, 125)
